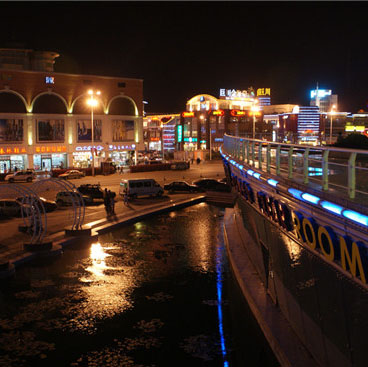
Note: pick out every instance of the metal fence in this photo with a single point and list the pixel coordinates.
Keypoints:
(334, 170)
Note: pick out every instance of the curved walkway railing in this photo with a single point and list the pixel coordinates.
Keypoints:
(334, 170)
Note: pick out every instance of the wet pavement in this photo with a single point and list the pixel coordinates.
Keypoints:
(156, 293)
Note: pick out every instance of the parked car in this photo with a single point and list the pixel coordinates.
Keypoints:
(210, 184)
(71, 173)
(19, 176)
(181, 186)
(92, 190)
(64, 198)
(12, 208)
(140, 187)
(49, 205)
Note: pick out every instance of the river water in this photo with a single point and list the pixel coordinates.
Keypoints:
(156, 293)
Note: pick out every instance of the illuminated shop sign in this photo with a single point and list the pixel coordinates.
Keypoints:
(87, 148)
(122, 147)
(155, 139)
(218, 113)
(236, 113)
(49, 80)
(13, 150)
(239, 95)
(190, 140)
(188, 114)
(347, 253)
(354, 128)
(180, 133)
(219, 139)
(263, 91)
(53, 149)
(321, 93)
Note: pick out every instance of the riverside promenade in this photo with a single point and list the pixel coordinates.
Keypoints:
(12, 241)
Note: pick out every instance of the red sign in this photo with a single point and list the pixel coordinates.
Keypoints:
(237, 113)
(218, 113)
(155, 139)
(188, 114)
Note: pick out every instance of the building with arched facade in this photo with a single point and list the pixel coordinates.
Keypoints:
(45, 121)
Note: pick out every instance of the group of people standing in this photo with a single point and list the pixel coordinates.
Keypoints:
(109, 202)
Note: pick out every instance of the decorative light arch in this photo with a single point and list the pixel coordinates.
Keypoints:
(123, 96)
(70, 110)
(48, 92)
(196, 99)
(18, 95)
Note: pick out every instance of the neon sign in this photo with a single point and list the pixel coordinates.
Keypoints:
(188, 114)
(12, 150)
(121, 147)
(236, 113)
(321, 93)
(87, 148)
(55, 149)
(180, 133)
(218, 113)
(263, 91)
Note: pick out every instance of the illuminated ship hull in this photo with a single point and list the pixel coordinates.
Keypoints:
(312, 263)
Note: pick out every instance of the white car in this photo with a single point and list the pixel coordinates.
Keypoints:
(26, 176)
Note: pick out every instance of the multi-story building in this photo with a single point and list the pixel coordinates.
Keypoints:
(324, 99)
(45, 121)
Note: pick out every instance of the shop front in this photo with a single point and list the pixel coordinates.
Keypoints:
(47, 158)
(13, 159)
(82, 156)
(122, 155)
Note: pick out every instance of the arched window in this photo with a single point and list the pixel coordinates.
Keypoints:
(122, 106)
(11, 103)
(50, 104)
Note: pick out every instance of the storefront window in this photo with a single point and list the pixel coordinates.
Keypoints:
(11, 130)
(47, 162)
(12, 163)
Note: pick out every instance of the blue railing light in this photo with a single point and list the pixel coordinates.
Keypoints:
(240, 166)
(272, 182)
(257, 175)
(356, 217)
(296, 193)
(250, 172)
(311, 198)
(337, 209)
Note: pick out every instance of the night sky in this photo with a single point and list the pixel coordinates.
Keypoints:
(181, 49)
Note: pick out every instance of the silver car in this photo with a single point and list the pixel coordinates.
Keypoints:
(19, 176)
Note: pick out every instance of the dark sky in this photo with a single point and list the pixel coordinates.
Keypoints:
(181, 49)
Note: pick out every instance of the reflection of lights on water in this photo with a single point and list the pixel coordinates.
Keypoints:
(98, 259)
(219, 259)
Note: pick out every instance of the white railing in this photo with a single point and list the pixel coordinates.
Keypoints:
(334, 170)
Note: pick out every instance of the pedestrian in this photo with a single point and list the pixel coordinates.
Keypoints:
(107, 202)
(198, 160)
(112, 203)
(126, 196)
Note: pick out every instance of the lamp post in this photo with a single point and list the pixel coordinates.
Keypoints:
(331, 113)
(93, 102)
(254, 109)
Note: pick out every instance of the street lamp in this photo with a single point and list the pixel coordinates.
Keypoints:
(254, 109)
(333, 108)
(93, 102)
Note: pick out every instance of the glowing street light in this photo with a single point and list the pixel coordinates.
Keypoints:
(332, 112)
(93, 103)
(255, 110)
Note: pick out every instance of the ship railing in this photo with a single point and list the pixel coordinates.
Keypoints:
(335, 170)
